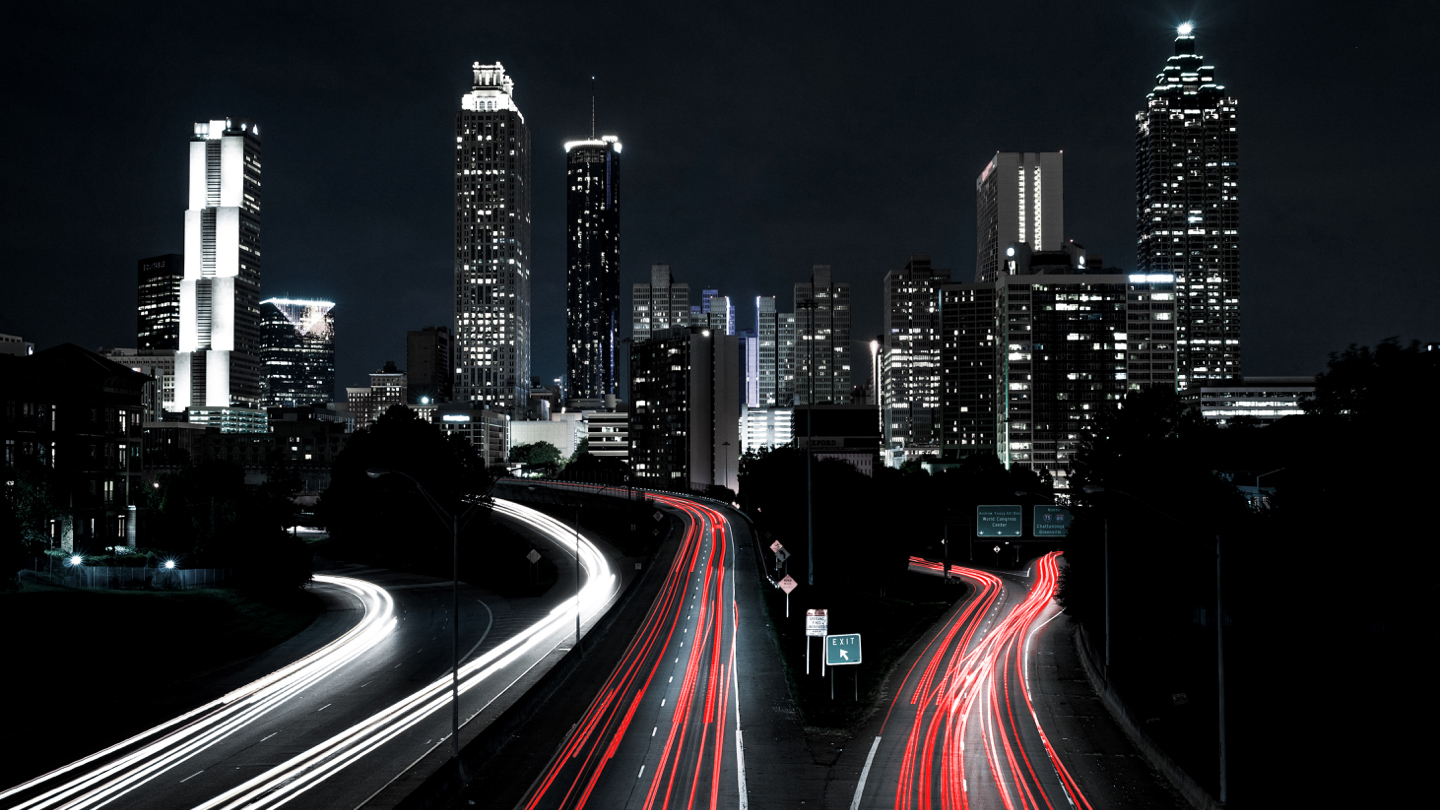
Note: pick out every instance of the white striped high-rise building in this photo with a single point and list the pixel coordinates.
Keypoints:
(492, 245)
(1019, 197)
(217, 366)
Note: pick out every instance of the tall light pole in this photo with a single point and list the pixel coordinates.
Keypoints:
(809, 450)
(726, 451)
(454, 521)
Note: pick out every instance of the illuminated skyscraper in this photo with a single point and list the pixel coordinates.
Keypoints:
(822, 331)
(492, 245)
(659, 305)
(910, 359)
(592, 251)
(297, 352)
(1187, 211)
(1019, 197)
(157, 318)
(217, 368)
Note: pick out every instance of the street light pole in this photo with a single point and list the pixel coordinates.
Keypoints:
(809, 441)
(1220, 665)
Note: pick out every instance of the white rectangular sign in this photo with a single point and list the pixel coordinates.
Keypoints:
(817, 622)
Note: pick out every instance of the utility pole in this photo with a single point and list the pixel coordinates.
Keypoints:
(1107, 598)
(809, 441)
(1220, 663)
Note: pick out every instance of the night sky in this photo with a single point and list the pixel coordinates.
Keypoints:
(759, 141)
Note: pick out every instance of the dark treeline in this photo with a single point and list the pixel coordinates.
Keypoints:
(1317, 623)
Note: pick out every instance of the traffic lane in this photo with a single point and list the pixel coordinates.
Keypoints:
(416, 652)
(1092, 746)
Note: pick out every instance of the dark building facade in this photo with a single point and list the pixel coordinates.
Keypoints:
(1187, 214)
(592, 252)
(297, 352)
(909, 384)
(73, 419)
(429, 364)
(157, 319)
(685, 418)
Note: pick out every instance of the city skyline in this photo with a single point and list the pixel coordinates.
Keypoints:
(1100, 169)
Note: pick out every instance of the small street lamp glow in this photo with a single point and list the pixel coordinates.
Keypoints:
(169, 564)
(1185, 28)
(76, 559)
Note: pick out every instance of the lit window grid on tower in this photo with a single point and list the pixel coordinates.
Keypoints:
(593, 262)
(910, 358)
(297, 355)
(492, 246)
(1188, 211)
(822, 337)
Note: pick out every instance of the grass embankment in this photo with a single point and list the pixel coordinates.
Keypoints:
(90, 668)
(888, 626)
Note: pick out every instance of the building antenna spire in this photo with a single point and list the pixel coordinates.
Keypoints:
(592, 108)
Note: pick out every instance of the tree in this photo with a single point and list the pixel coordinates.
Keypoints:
(535, 454)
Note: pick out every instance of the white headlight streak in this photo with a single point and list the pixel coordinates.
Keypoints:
(104, 776)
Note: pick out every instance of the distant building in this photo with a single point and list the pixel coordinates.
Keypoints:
(157, 321)
(717, 312)
(429, 365)
(492, 245)
(77, 416)
(1264, 399)
(1187, 210)
(563, 430)
(1019, 198)
(775, 334)
(297, 352)
(749, 369)
(16, 346)
(160, 395)
(685, 419)
(822, 353)
(217, 368)
(487, 430)
(607, 426)
(1028, 362)
(592, 252)
(298, 443)
(387, 387)
(661, 304)
(849, 433)
(766, 429)
(909, 383)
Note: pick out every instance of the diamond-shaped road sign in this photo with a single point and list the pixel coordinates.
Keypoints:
(533, 556)
(775, 546)
(842, 650)
(781, 556)
(788, 584)
(658, 514)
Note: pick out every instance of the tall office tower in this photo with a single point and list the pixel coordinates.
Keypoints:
(717, 311)
(429, 364)
(387, 389)
(1187, 209)
(297, 352)
(685, 420)
(822, 352)
(592, 251)
(157, 321)
(492, 245)
(659, 305)
(749, 368)
(217, 369)
(1019, 197)
(909, 378)
(1031, 360)
(775, 336)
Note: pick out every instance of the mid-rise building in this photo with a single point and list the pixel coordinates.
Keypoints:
(716, 312)
(297, 352)
(848, 433)
(659, 305)
(159, 397)
(492, 245)
(766, 429)
(429, 359)
(1264, 399)
(909, 359)
(592, 252)
(1187, 209)
(387, 387)
(1019, 198)
(157, 318)
(217, 369)
(607, 426)
(685, 419)
(1031, 360)
(749, 368)
(487, 431)
(16, 346)
(822, 351)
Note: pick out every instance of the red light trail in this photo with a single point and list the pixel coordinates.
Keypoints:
(685, 769)
(969, 742)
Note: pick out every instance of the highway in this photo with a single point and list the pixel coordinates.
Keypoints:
(363, 707)
(962, 730)
(665, 730)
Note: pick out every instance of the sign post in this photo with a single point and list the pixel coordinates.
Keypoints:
(817, 623)
(843, 651)
(787, 585)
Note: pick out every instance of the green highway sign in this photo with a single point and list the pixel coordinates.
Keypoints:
(998, 521)
(842, 650)
(1052, 521)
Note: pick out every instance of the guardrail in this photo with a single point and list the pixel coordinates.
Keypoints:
(113, 577)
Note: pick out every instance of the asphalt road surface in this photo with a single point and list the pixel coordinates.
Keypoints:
(664, 731)
(353, 714)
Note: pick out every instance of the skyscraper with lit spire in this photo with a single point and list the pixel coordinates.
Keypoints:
(492, 245)
(1187, 217)
(592, 253)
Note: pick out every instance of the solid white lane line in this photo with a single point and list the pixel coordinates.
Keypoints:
(864, 774)
(192, 776)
